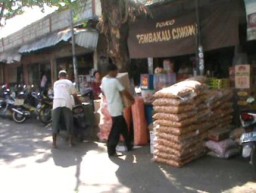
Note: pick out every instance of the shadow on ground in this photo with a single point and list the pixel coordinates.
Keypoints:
(65, 156)
(134, 172)
(206, 174)
(20, 141)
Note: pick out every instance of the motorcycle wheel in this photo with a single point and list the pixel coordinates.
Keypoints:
(45, 115)
(253, 158)
(18, 118)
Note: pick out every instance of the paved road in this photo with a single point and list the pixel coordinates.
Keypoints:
(29, 165)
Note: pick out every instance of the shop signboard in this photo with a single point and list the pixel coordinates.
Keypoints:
(250, 6)
(153, 38)
(171, 30)
(243, 76)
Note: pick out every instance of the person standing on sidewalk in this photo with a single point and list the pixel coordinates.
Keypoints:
(63, 103)
(44, 84)
(112, 90)
(96, 85)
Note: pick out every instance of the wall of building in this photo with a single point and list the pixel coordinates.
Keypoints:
(54, 22)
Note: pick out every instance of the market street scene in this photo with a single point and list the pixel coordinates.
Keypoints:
(128, 96)
(29, 164)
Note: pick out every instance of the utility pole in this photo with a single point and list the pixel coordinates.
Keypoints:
(74, 50)
(199, 52)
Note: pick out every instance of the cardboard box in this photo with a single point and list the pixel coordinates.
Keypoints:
(243, 76)
(147, 81)
(218, 134)
(245, 93)
(125, 81)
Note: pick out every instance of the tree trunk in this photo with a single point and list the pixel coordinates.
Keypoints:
(115, 28)
(2, 8)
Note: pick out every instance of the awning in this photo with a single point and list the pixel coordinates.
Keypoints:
(84, 37)
(173, 30)
(87, 39)
(10, 56)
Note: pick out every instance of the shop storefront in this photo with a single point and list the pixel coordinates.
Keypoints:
(169, 38)
(54, 52)
(174, 29)
(169, 42)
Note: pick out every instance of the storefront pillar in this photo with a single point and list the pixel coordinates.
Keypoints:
(150, 66)
(95, 60)
(2, 74)
(26, 73)
(5, 70)
(53, 64)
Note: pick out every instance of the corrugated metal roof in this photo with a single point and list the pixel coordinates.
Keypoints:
(10, 57)
(87, 39)
(83, 37)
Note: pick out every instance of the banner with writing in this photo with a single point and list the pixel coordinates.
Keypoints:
(154, 38)
(173, 32)
(250, 6)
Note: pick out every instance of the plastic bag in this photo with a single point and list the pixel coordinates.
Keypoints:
(221, 147)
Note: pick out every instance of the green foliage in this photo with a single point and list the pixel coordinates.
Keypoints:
(11, 8)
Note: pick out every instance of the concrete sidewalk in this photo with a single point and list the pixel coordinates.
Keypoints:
(29, 165)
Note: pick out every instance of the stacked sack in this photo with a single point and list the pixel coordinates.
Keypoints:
(179, 112)
(219, 103)
(105, 122)
(218, 141)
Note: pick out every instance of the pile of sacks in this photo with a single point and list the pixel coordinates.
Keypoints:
(220, 105)
(185, 113)
(179, 112)
(218, 141)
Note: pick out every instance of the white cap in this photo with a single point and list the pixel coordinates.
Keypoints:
(62, 72)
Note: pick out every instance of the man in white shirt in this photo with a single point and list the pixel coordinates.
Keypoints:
(112, 90)
(63, 102)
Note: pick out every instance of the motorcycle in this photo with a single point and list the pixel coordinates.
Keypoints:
(80, 124)
(24, 105)
(248, 138)
(30, 103)
(7, 102)
(45, 109)
(27, 104)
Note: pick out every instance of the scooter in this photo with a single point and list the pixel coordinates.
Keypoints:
(7, 102)
(80, 124)
(248, 138)
(26, 105)
(45, 109)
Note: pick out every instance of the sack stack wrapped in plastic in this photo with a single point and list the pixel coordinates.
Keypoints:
(220, 104)
(184, 113)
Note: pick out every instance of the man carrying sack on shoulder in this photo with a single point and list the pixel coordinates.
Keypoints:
(113, 90)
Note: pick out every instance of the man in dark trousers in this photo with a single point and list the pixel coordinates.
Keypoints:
(112, 90)
(63, 103)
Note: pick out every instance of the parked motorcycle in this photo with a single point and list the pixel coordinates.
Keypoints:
(80, 123)
(7, 102)
(27, 104)
(45, 109)
(248, 139)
